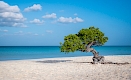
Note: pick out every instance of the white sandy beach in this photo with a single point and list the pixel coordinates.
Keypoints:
(75, 68)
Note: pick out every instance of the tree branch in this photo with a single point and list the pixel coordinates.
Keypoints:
(89, 49)
(90, 44)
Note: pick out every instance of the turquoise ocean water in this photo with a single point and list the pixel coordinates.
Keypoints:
(37, 52)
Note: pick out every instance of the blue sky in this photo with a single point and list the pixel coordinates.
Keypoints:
(46, 22)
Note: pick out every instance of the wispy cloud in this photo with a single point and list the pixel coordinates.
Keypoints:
(50, 16)
(29, 32)
(36, 34)
(69, 20)
(19, 33)
(49, 31)
(35, 7)
(3, 30)
(42, 34)
(10, 16)
(61, 10)
(75, 14)
(37, 21)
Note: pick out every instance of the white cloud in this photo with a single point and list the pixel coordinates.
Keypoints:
(69, 20)
(35, 7)
(75, 14)
(50, 16)
(4, 7)
(78, 19)
(11, 16)
(19, 25)
(49, 31)
(37, 21)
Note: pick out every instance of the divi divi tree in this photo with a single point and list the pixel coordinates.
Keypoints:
(84, 41)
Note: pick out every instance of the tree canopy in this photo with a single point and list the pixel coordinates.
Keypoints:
(79, 41)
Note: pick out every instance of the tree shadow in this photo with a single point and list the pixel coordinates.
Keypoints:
(84, 62)
(107, 63)
(59, 61)
(124, 63)
(53, 61)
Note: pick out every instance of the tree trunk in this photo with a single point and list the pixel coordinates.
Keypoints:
(96, 58)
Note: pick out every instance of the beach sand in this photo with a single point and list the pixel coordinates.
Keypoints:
(74, 68)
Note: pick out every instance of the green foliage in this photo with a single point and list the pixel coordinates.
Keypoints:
(71, 43)
(74, 42)
(92, 34)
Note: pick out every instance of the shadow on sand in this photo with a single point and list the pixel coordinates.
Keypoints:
(53, 61)
(58, 61)
(107, 63)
